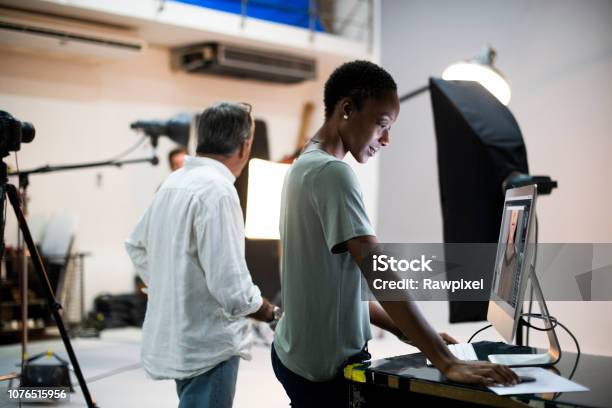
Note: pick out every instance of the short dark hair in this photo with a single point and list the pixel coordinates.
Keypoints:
(174, 152)
(223, 127)
(358, 80)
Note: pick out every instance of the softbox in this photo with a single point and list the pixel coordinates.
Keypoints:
(262, 255)
(479, 144)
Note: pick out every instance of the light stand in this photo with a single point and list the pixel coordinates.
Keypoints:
(54, 305)
(10, 190)
(23, 175)
(13, 133)
(414, 93)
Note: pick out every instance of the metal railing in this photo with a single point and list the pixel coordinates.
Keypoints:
(352, 19)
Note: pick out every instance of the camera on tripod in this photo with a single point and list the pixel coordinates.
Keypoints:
(13, 133)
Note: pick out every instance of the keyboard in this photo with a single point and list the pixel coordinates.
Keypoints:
(463, 351)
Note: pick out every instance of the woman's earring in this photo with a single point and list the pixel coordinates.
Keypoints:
(345, 117)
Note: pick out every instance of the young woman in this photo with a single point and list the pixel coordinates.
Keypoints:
(324, 227)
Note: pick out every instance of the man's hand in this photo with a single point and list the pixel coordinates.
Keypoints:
(481, 373)
(265, 312)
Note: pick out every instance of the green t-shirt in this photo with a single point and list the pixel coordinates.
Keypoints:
(325, 321)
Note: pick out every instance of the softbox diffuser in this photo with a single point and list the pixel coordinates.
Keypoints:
(262, 255)
(479, 144)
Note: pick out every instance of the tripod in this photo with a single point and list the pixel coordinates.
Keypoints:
(24, 182)
(10, 190)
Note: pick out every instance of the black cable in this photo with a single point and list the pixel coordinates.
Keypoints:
(119, 370)
(2, 229)
(573, 338)
(110, 373)
(554, 323)
(129, 150)
(526, 323)
(578, 352)
(552, 319)
(478, 331)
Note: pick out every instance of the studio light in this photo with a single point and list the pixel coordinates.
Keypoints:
(176, 129)
(264, 199)
(481, 70)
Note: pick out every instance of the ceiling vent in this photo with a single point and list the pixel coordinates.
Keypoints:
(25, 31)
(243, 62)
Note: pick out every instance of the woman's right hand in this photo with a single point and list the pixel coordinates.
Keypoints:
(481, 373)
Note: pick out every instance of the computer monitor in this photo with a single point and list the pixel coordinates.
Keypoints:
(512, 261)
(514, 268)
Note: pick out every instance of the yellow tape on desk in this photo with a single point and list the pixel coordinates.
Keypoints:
(355, 372)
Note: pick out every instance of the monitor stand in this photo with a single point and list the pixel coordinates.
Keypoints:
(534, 360)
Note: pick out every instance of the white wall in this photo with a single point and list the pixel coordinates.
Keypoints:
(82, 112)
(558, 58)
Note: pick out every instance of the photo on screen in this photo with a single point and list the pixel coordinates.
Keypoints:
(511, 254)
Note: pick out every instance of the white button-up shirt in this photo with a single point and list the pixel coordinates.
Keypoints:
(188, 247)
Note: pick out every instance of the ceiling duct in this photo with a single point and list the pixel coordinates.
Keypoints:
(26, 31)
(244, 62)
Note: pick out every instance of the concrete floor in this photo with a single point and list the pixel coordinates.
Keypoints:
(111, 365)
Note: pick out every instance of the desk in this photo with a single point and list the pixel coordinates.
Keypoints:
(407, 381)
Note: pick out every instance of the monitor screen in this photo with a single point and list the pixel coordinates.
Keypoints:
(511, 251)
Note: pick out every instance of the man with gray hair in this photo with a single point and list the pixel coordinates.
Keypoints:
(188, 247)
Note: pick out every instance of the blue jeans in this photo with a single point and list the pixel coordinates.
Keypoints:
(215, 388)
(305, 393)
